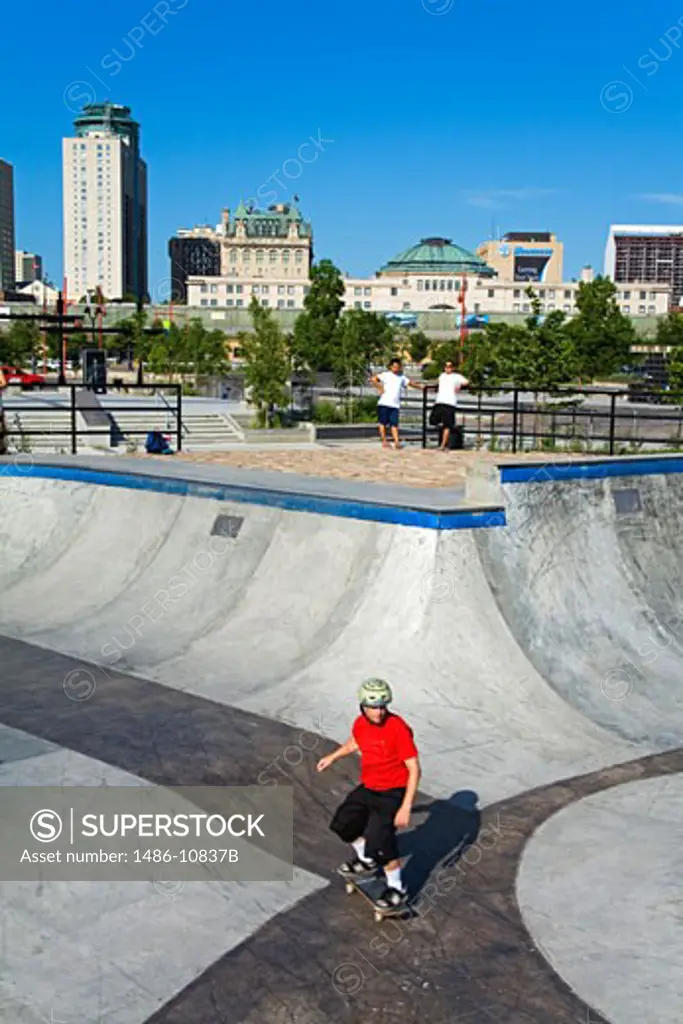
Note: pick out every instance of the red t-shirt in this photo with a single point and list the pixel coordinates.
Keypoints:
(384, 749)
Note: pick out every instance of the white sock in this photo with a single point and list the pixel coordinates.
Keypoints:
(394, 878)
(359, 847)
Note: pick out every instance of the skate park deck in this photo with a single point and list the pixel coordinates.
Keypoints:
(535, 651)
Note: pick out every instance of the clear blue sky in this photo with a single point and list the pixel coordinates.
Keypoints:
(446, 116)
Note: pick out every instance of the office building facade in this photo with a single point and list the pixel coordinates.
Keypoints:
(194, 252)
(534, 257)
(651, 253)
(105, 205)
(28, 267)
(6, 227)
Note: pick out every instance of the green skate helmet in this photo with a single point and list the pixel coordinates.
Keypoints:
(375, 693)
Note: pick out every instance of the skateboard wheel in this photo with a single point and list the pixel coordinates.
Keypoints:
(378, 917)
(349, 889)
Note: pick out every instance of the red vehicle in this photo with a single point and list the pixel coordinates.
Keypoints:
(27, 380)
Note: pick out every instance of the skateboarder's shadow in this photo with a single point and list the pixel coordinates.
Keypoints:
(450, 828)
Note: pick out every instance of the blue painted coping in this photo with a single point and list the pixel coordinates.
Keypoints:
(464, 519)
(546, 473)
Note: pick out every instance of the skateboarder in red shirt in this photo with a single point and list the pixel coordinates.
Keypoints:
(390, 772)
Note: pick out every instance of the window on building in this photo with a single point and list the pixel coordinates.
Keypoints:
(627, 309)
(233, 256)
(394, 291)
(357, 291)
(290, 289)
(420, 284)
(299, 256)
(643, 296)
(264, 302)
(641, 309)
(229, 302)
(239, 302)
(477, 307)
(213, 289)
(551, 305)
(204, 302)
(358, 305)
(515, 307)
(203, 289)
(492, 293)
(525, 307)
(246, 256)
(566, 307)
(652, 310)
(290, 303)
(427, 288)
(551, 293)
(517, 294)
(265, 288)
(280, 303)
(238, 289)
(285, 255)
(272, 255)
(254, 289)
(653, 296)
(406, 305)
(213, 302)
(281, 289)
(627, 295)
(442, 285)
(367, 305)
(260, 255)
(306, 289)
(229, 289)
(367, 291)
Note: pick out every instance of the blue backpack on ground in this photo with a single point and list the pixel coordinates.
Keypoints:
(157, 444)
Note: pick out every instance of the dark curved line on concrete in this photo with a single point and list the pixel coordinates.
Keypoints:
(467, 957)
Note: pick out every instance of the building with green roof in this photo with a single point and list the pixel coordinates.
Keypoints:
(437, 256)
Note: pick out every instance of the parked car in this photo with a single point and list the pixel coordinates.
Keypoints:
(25, 378)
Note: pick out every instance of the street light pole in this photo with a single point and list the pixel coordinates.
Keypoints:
(60, 335)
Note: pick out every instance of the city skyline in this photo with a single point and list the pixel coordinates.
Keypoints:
(425, 137)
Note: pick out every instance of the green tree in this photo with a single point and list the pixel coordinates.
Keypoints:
(670, 336)
(133, 334)
(267, 362)
(20, 343)
(601, 334)
(361, 339)
(315, 328)
(418, 346)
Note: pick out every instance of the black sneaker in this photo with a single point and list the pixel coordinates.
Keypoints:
(358, 867)
(392, 898)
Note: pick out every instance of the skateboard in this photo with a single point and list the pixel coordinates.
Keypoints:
(371, 889)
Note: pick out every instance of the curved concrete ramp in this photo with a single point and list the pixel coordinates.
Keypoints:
(588, 576)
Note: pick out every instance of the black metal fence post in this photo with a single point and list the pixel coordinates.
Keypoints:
(424, 417)
(612, 422)
(74, 434)
(515, 411)
(179, 416)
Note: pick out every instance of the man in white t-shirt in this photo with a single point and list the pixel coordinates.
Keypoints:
(450, 383)
(391, 384)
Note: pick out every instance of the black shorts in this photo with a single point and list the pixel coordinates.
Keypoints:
(446, 415)
(370, 813)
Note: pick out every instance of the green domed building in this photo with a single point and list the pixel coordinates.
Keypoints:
(437, 256)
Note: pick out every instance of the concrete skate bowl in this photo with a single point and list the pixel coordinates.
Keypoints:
(206, 605)
(588, 577)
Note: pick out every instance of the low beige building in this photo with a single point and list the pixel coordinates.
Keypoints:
(433, 276)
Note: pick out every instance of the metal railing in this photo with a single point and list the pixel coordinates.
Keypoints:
(564, 417)
(73, 432)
